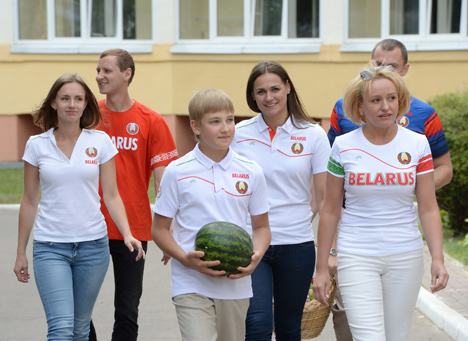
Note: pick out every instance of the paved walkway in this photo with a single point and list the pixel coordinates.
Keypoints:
(11, 165)
(22, 317)
(448, 309)
(456, 294)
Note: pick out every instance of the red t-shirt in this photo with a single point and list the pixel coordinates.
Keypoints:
(145, 142)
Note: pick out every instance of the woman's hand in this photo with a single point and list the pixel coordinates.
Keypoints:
(321, 287)
(134, 244)
(21, 269)
(439, 276)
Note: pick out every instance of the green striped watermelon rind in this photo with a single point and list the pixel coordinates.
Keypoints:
(226, 242)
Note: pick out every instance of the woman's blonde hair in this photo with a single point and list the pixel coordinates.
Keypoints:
(361, 85)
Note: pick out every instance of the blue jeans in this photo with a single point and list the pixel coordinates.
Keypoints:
(68, 277)
(284, 274)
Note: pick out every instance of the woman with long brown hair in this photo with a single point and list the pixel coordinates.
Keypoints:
(293, 152)
(70, 249)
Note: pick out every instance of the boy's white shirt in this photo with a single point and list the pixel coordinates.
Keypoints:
(196, 191)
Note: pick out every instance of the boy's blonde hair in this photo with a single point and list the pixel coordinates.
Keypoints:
(208, 101)
(361, 85)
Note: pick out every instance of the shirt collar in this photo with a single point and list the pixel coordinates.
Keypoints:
(262, 126)
(49, 133)
(209, 163)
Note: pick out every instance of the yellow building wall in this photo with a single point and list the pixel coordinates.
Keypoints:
(165, 82)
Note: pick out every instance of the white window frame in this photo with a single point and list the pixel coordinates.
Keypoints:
(424, 41)
(247, 43)
(85, 43)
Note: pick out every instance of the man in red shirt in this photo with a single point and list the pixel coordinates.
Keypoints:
(145, 147)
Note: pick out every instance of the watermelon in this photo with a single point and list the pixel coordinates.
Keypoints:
(226, 242)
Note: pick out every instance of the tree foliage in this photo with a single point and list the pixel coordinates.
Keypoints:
(453, 198)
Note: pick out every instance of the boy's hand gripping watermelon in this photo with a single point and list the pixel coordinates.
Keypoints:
(226, 242)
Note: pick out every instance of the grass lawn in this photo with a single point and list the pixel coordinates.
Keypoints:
(453, 247)
(151, 192)
(11, 190)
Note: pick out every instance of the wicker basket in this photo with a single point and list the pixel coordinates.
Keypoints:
(315, 315)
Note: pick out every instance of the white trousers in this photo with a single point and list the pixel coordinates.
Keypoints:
(206, 319)
(380, 294)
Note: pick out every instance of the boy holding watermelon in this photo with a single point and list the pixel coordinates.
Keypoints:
(212, 183)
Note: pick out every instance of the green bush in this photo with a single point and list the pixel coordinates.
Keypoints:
(453, 198)
(464, 242)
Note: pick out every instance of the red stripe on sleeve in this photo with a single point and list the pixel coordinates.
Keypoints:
(425, 158)
(433, 125)
(334, 122)
(425, 164)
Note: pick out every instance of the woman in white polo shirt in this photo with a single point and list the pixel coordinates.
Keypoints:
(292, 152)
(381, 166)
(70, 253)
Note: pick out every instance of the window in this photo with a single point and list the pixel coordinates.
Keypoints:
(245, 26)
(267, 18)
(82, 25)
(420, 24)
(364, 21)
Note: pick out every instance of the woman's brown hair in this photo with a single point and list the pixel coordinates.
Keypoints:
(46, 117)
(296, 109)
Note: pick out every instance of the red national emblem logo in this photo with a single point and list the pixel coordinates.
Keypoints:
(404, 121)
(404, 158)
(133, 128)
(297, 148)
(242, 187)
(91, 152)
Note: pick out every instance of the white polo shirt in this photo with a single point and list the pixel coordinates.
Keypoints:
(196, 191)
(288, 162)
(70, 204)
(380, 181)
